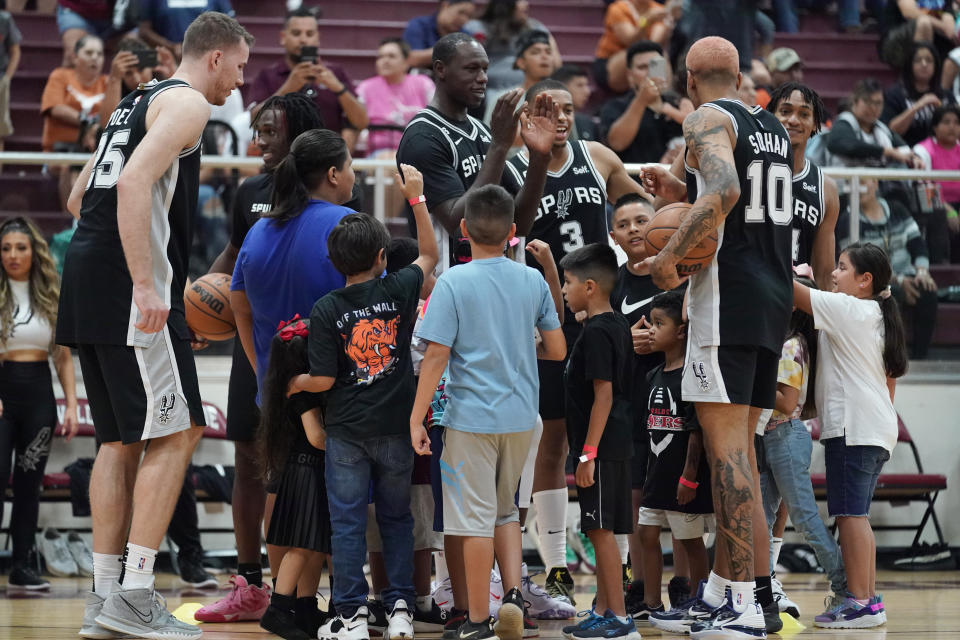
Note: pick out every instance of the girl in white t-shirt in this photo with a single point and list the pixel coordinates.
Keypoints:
(861, 353)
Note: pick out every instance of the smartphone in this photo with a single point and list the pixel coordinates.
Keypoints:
(146, 58)
(658, 69)
(308, 54)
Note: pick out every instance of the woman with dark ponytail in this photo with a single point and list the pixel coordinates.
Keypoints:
(862, 351)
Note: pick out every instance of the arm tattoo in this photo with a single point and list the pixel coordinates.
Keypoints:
(733, 502)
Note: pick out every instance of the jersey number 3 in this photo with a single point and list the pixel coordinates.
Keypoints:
(778, 187)
(109, 163)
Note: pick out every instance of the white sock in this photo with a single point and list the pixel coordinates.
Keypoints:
(623, 544)
(106, 571)
(743, 594)
(424, 603)
(552, 526)
(716, 590)
(440, 561)
(775, 544)
(138, 567)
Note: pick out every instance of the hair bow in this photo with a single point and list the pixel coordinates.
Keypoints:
(296, 327)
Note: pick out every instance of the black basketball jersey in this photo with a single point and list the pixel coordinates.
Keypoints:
(745, 297)
(809, 208)
(96, 298)
(254, 198)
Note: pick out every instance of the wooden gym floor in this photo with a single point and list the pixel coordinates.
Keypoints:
(921, 606)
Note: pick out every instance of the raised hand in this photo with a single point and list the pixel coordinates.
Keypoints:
(503, 121)
(411, 184)
(539, 128)
(659, 182)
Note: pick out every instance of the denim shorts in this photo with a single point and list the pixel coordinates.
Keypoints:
(69, 19)
(852, 473)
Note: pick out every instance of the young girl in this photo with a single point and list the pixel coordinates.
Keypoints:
(787, 448)
(291, 444)
(861, 351)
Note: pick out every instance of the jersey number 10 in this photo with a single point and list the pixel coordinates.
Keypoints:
(109, 163)
(779, 205)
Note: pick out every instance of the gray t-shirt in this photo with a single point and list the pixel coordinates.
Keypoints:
(9, 36)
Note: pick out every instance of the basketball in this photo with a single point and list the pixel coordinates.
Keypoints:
(207, 306)
(664, 224)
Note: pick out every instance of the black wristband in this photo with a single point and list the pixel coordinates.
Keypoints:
(341, 92)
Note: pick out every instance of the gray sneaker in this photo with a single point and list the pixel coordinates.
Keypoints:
(143, 613)
(81, 553)
(56, 555)
(90, 628)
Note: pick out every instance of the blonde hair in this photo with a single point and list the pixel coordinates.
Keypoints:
(44, 282)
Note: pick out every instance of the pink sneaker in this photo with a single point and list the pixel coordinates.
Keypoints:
(245, 602)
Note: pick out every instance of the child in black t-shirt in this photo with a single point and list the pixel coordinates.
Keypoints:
(359, 350)
(677, 489)
(600, 425)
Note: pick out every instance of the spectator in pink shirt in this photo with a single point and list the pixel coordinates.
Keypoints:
(941, 151)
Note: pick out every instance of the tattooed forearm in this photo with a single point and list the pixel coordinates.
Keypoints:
(699, 222)
(733, 502)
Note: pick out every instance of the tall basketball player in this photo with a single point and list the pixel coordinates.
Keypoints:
(122, 307)
(581, 178)
(739, 178)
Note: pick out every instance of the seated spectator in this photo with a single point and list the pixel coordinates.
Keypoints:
(577, 82)
(423, 32)
(639, 126)
(9, 60)
(941, 152)
(327, 84)
(392, 97)
(909, 21)
(734, 20)
(848, 13)
(888, 224)
(627, 22)
(77, 18)
(747, 91)
(126, 70)
(499, 30)
(858, 137)
(785, 65)
(908, 106)
(70, 105)
(534, 59)
(163, 22)
(762, 81)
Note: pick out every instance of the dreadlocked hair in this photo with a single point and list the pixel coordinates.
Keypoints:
(44, 281)
(810, 96)
(301, 113)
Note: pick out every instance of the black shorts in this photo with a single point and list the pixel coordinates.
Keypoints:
(141, 393)
(243, 415)
(638, 463)
(552, 389)
(607, 503)
(738, 374)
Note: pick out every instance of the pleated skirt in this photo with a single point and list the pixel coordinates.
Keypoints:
(301, 517)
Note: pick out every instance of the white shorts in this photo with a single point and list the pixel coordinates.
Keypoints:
(526, 476)
(683, 526)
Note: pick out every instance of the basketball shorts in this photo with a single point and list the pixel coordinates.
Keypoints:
(641, 456)
(552, 391)
(141, 393)
(736, 374)
(683, 526)
(421, 507)
(607, 503)
(243, 415)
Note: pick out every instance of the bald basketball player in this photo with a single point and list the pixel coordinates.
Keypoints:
(738, 177)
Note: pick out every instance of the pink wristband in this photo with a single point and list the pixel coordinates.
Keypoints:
(589, 453)
(688, 483)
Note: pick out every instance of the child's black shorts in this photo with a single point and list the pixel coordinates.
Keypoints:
(607, 503)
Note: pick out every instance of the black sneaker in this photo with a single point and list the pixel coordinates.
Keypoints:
(193, 573)
(643, 614)
(283, 623)
(633, 597)
(431, 621)
(377, 616)
(678, 590)
(509, 624)
(24, 578)
(559, 584)
(455, 618)
(475, 630)
(627, 576)
(308, 615)
(530, 628)
(771, 618)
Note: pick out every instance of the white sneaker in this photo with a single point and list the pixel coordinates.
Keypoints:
(730, 624)
(340, 628)
(443, 594)
(400, 622)
(56, 555)
(542, 605)
(81, 553)
(496, 593)
(785, 604)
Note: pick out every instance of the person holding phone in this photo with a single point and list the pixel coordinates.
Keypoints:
(135, 62)
(639, 126)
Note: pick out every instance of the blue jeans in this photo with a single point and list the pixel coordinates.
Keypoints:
(352, 467)
(788, 448)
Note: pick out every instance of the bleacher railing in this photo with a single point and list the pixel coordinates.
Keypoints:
(380, 174)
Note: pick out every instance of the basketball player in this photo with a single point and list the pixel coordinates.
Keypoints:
(582, 176)
(738, 165)
(122, 307)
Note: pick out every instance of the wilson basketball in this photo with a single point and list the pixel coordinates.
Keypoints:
(664, 224)
(207, 306)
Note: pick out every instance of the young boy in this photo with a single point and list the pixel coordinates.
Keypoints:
(599, 413)
(359, 348)
(481, 315)
(677, 490)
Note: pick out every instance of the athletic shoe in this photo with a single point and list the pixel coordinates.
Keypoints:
(540, 604)
(476, 630)
(627, 576)
(678, 590)
(509, 624)
(680, 618)
(573, 560)
(245, 602)
(559, 585)
(341, 628)
(784, 604)
(771, 617)
(530, 628)
(496, 593)
(56, 554)
(24, 578)
(878, 600)
(192, 572)
(143, 613)
(609, 626)
(850, 614)
(588, 617)
(90, 629)
(431, 621)
(283, 623)
(81, 553)
(633, 597)
(443, 594)
(377, 619)
(727, 622)
(643, 613)
(400, 622)
(584, 548)
(455, 618)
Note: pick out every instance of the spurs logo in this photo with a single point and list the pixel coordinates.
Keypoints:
(167, 402)
(36, 451)
(700, 372)
(564, 200)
